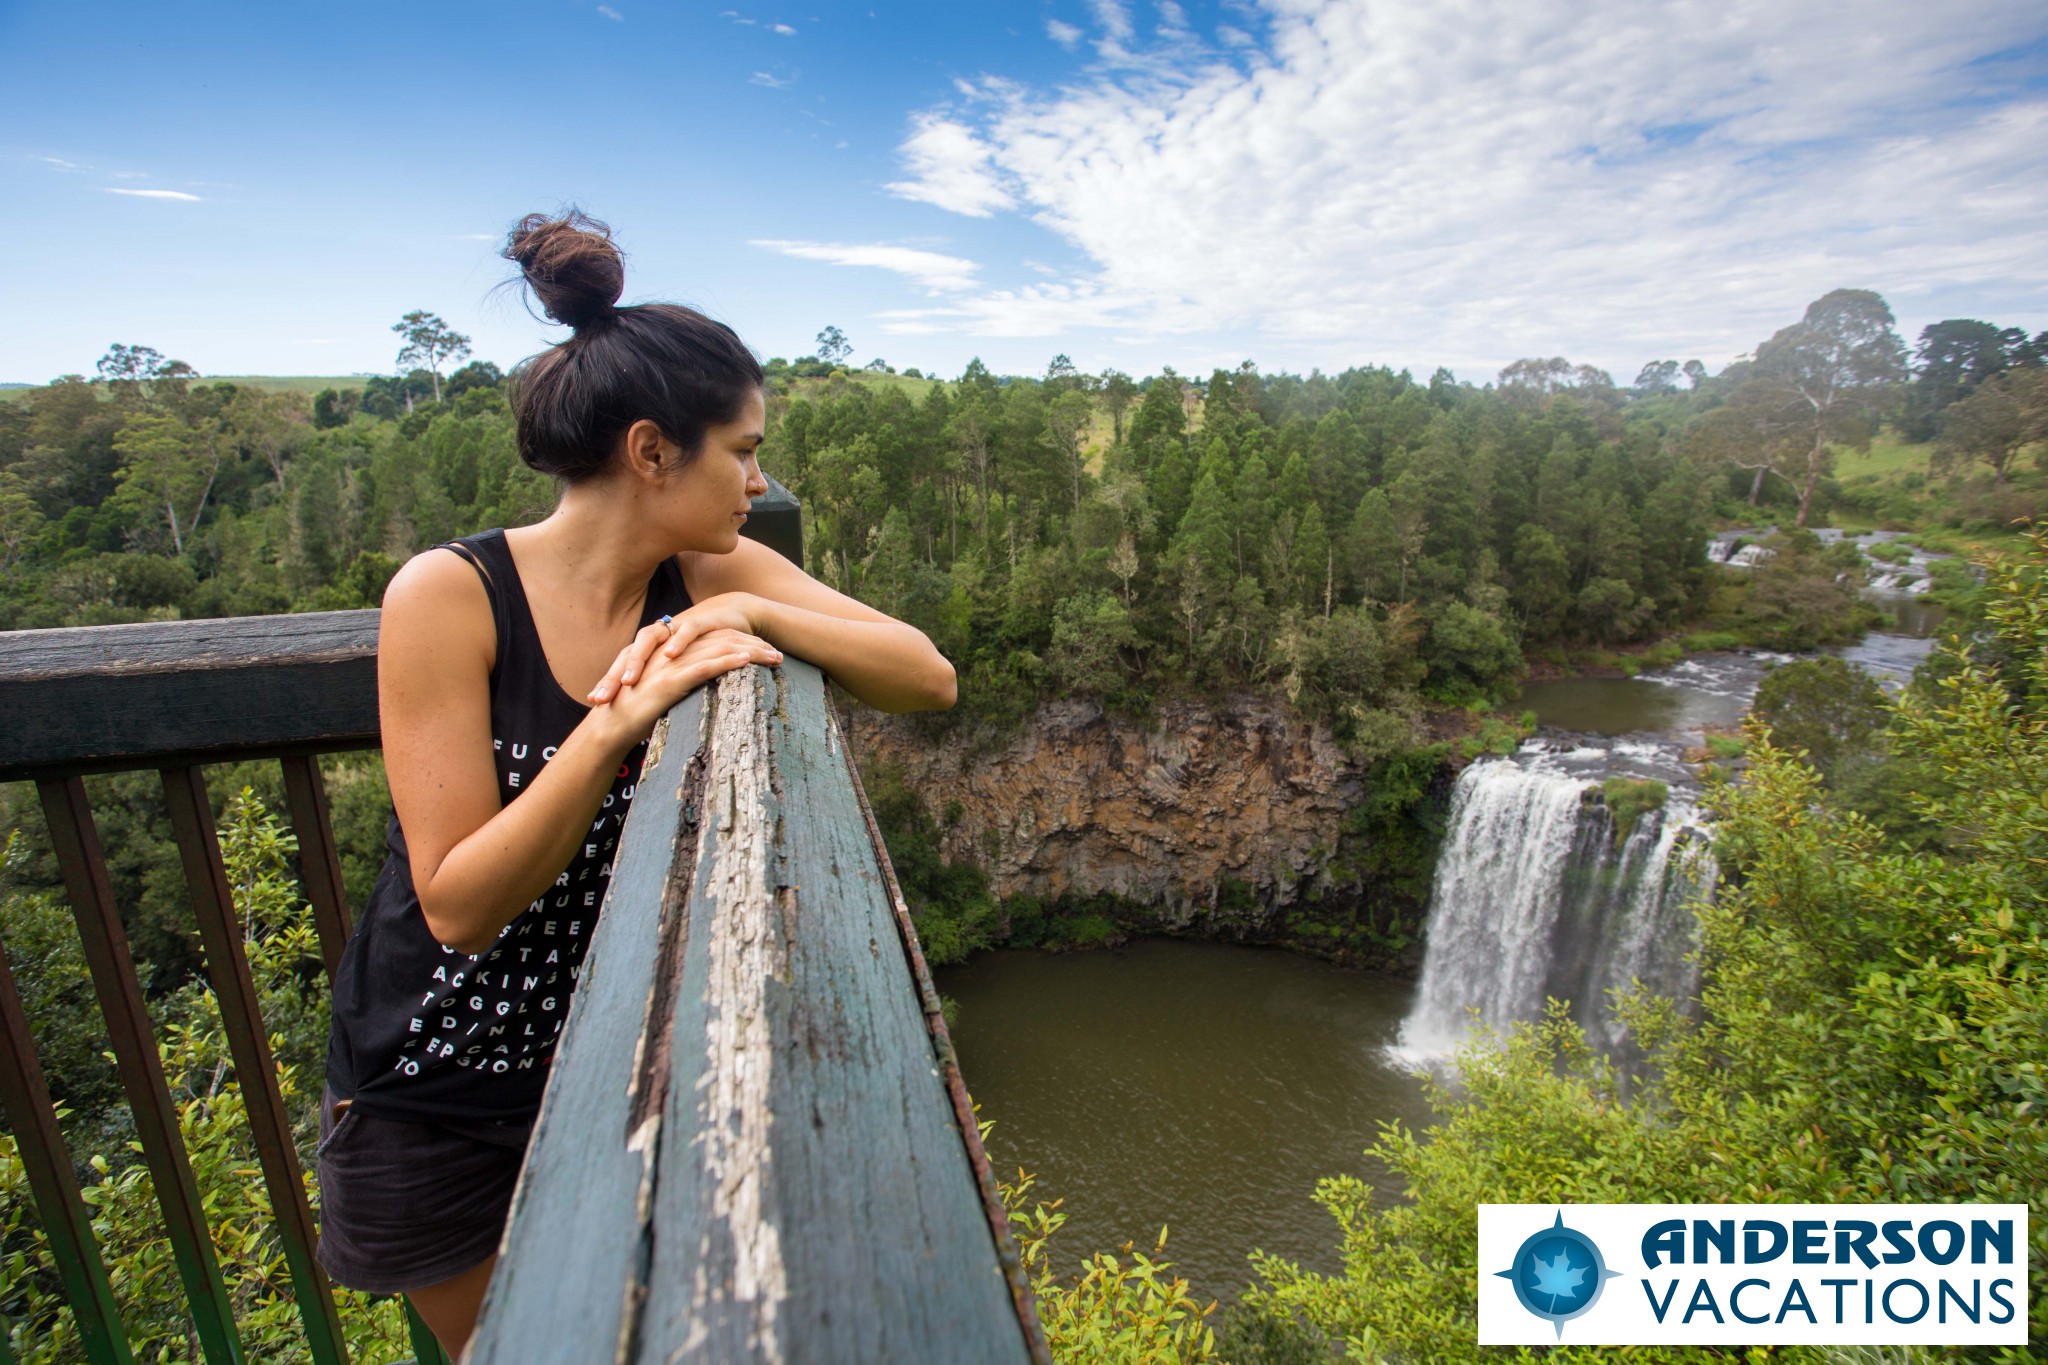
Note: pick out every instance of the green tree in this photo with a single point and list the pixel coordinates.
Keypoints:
(1825, 711)
(2005, 413)
(1067, 419)
(1951, 359)
(22, 523)
(1314, 567)
(1833, 369)
(1540, 589)
(430, 343)
(167, 467)
(1161, 417)
(1374, 547)
(1118, 393)
(273, 425)
(1252, 527)
(1204, 536)
(1091, 632)
(1470, 649)
(833, 347)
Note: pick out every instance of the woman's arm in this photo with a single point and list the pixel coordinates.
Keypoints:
(885, 663)
(476, 864)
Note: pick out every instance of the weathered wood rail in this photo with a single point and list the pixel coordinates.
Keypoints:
(851, 995)
(755, 1145)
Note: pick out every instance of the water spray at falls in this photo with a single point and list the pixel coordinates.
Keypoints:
(1536, 897)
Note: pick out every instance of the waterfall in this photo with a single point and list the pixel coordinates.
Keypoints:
(1533, 899)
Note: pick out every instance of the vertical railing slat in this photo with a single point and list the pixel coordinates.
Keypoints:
(77, 843)
(426, 1347)
(241, 1017)
(305, 796)
(33, 1120)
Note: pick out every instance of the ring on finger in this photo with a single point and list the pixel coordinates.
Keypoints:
(669, 624)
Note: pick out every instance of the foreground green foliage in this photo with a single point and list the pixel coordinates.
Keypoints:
(284, 960)
(1870, 1027)
(1110, 1312)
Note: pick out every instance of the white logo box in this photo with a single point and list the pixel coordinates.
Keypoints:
(1937, 1265)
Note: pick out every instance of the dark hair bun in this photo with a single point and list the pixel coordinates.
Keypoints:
(571, 265)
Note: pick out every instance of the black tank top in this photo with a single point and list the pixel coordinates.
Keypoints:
(423, 1032)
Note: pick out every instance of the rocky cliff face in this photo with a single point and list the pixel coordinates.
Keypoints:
(1079, 804)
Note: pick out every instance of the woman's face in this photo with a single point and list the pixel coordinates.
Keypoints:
(709, 496)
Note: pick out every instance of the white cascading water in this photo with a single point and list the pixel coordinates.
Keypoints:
(1532, 899)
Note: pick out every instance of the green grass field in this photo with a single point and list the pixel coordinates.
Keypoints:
(274, 383)
(1888, 457)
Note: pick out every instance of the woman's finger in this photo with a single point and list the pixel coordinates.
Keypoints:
(632, 661)
(609, 684)
(701, 671)
(718, 642)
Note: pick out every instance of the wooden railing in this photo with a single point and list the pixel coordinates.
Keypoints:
(755, 1145)
(756, 1142)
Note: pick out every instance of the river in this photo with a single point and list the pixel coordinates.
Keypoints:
(1197, 1085)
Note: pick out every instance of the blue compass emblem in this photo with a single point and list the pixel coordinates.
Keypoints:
(1558, 1273)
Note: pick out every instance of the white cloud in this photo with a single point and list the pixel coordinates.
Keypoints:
(68, 167)
(1066, 35)
(929, 269)
(608, 12)
(1470, 183)
(771, 80)
(784, 29)
(178, 195)
(951, 166)
(1113, 18)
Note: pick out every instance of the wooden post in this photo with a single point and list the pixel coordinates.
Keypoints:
(748, 1151)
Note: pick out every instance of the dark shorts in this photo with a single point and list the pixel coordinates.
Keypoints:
(407, 1205)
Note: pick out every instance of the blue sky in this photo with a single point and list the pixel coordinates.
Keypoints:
(264, 189)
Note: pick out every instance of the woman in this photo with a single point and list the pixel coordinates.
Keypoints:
(508, 794)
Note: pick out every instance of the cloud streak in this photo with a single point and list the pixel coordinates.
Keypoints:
(930, 269)
(1475, 183)
(178, 195)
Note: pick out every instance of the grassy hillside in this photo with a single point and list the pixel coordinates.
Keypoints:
(1889, 457)
(275, 383)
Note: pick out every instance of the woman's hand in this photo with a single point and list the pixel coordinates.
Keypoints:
(661, 681)
(725, 619)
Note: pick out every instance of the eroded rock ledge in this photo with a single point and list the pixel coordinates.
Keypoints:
(1184, 817)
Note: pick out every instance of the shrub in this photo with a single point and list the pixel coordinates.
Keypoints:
(1629, 799)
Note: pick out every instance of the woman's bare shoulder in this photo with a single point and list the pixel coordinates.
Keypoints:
(436, 598)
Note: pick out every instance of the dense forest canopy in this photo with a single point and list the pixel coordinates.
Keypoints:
(1359, 540)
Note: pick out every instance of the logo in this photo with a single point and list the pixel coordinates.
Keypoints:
(1558, 1274)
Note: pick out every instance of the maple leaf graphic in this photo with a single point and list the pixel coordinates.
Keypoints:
(1557, 1278)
